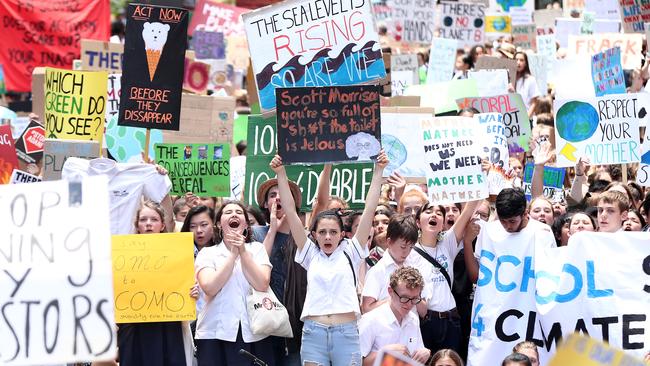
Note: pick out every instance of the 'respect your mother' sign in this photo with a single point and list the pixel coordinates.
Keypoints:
(604, 129)
(152, 74)
(309, 43)
(453, 159)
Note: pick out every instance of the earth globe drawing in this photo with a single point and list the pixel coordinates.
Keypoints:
(576, 121)
(506, 4)
(395, 150)
(126, 143)
(499, 24)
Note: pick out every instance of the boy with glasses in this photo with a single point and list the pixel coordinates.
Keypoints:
(392, 325)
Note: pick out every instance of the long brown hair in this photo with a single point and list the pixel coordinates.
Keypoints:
(154, 206)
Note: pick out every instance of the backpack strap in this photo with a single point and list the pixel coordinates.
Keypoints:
(435, 264)
(354, 275)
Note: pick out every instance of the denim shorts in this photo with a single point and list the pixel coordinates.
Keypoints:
(338, 344)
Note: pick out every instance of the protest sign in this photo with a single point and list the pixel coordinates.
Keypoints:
(212, 16)
(113, 95)
(45, 33)
(400, 81)
(545, 20)
(490, 82)
(348, 181)
(566, 27)
(196, 76)
(607, 73)
(520, 15)
(547, 48)
(538, 68)
(463, 21)
(329, 124)
(397, 126)
(588, 20)
(494, 146)
(29, 146)
(204, 119)
(523, 35)
(403, 72)
(390, 358)
(405, 62)
(571, 78)
(453, 158)
(56, 291)
(604, 9)
(209, 45)
(127, 144)
(203, 169)
(237, 52)
(634, 13)
(579, 349)
(590, 285)
(19, 177)
(494, 63)
(152, 75)
(413, 21)
(497, 25)
(152, 275)
(8, 158)
(442, 96)
(293, 50)
(101, 56)
(515, 117)
(442, 60)
(553, 182)
(74, 104)
(237, 177)
(643, 174)
(604, 129)
(573, 8)
(56, 152)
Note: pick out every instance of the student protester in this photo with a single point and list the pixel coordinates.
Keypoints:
(226, 272)
(446, 357)
(529, 349)
(561, 227)
(516, 359)
(331, 309)
(613, 207)
(526, 85)
(452, 211)
(541, 209)
(181, 208)
(580, 221)
(634, 222)
(411, 201)
(158, 343)
(392, 325)
(645, 207)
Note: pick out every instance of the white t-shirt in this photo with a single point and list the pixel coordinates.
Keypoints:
(379, 328)
(330, 282)
(127, 184)
(495, 232)
(378, 276)
(222, 314)
(527, 88)
(436, 288)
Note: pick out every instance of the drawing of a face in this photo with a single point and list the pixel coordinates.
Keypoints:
(362, 145)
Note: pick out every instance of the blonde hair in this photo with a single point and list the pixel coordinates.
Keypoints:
(154, 206)
(412, 193)
(409, 276)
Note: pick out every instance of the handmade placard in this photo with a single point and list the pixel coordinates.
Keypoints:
(464, 21)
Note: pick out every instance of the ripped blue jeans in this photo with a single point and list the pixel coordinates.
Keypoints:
(338, 344)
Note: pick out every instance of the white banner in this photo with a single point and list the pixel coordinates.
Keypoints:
(56, 282)
(643, 174)
(599, 284)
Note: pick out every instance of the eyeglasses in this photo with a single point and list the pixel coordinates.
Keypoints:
(404, 299)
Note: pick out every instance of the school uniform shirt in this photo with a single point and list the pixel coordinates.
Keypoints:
(379, 328)
(331, 288)
(378, 276)
(223, 314)
(127, 184)
(527, 88)
(436, 290)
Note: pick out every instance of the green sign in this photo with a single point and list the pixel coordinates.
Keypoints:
(348, 181)
(203, 169)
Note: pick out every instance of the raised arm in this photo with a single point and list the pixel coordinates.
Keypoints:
(322, 192)
(582, 166)
(288, 204)
(465, 216)
(372, 198)
(542, 155)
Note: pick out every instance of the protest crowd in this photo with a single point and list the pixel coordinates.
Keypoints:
(325, 183)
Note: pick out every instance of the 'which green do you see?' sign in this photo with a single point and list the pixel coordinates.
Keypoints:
(329, 124)
(203, 169)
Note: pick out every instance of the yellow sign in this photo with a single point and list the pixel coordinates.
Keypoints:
(585, 351)
(75, 104)
(498, 24)
(152, 277)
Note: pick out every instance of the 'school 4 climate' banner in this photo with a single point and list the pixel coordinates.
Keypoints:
(299, 43)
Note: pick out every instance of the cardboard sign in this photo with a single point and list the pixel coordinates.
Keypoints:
(413, 21)
(126, 144)
(56, 152)
(538, 68)
(201, 169)
(521, 15)
(213, 16)
(497, 25)
(604, 129)
(523, 36)
(29, 146)
(556, 300)
(545, 20)
(19, 177)
(204, 119)
(293, 50)
(582, 350)
(553, 182)
(494, 63)
(630, 45)
(330, 124)
(442, 60)
(546, 47)
(463, 21)
(607, 73)
(209, 44)
(643, 174)
(634, 14)
(74, 104)
(8, 158)
(237, 52)
(454, 160)
(397, 126)
(47, 33)
(442, 96)
(154, 46)
(405, 62)
(60, 290)
(348, 181)
(490, 82)
(400, 81)
(152, 275)
(101, 56)
(196, 77)
(515, 117)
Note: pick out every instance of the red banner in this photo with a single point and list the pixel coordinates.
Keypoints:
(47, 33)
(211, 16)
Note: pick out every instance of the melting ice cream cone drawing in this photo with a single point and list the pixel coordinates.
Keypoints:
(155, 37)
